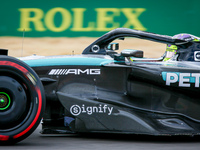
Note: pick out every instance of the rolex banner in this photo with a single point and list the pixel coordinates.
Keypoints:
(90, 18)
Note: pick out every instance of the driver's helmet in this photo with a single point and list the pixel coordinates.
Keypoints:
(172, 49)
(186, 37)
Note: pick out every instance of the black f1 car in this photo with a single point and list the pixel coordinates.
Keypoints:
(102, 91)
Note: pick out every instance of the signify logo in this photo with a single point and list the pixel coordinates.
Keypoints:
(101, 109)
(75, 71)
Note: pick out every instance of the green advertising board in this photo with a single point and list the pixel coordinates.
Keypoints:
(63, 18)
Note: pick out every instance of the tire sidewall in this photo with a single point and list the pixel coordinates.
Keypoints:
(23, 73)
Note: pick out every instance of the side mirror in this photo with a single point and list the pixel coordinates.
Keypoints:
(3, 52)
(132, 53)
(113, 46)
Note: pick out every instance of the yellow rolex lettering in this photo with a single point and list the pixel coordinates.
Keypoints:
(26, 19)
(105, 19)
(66, 19)
(79, 20)
(132, 14)
(76, 19)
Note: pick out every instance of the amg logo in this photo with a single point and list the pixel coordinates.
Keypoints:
(75, 71)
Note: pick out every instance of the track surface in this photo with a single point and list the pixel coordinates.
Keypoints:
(104, 141)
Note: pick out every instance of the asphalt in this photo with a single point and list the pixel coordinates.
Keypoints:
(38, 141)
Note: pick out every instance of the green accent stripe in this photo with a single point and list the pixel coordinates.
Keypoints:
(68, 61)
(9, 100)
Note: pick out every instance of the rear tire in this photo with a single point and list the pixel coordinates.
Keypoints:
(22, 100)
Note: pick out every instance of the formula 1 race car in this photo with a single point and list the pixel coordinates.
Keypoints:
(102, 91)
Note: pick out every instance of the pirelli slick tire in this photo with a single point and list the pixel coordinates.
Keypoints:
(22, 100)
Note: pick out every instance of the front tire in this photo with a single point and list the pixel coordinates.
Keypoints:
(22, 100)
